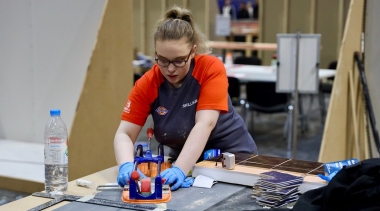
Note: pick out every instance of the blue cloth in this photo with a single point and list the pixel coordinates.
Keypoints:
(125, 171)
(176, 177)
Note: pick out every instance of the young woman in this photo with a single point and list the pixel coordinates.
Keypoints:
(186, 93)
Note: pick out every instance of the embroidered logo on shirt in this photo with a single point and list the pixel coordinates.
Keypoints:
(162, 110)
(189, 104)
(127, 107)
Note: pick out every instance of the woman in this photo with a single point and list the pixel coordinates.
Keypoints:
(186, 93)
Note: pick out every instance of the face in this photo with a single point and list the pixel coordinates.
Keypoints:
(177, 54)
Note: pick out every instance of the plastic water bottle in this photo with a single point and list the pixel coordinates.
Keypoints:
(229, 59)
(56, 155)
(273, 62)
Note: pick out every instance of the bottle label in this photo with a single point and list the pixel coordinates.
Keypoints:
(56, 151)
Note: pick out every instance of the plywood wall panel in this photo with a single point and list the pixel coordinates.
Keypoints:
(336, 137)
(272, 22)
(106, 87)
(327, 20)
(153, 11)
(138, 25)
(300, 16)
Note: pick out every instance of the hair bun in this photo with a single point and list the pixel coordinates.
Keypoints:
(176, 13)
(173, 15)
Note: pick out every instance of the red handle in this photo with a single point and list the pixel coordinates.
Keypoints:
(149, 132)
(135, 175)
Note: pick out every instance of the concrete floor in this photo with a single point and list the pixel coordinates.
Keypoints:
(267, 133)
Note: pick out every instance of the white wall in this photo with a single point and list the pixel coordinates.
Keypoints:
(45, 48)
(372, 55)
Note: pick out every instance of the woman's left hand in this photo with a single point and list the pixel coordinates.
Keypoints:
(176, 177)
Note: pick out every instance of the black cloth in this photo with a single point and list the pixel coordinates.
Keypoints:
(353, 188)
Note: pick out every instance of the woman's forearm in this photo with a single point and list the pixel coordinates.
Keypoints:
(194, 146)
(124, 140)
(124, 149)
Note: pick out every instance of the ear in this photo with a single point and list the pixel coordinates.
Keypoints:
(195, 50)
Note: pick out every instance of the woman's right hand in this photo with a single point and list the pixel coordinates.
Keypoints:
(125, 171)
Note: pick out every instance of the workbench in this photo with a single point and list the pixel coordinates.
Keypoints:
(222, 196)
(201, 196)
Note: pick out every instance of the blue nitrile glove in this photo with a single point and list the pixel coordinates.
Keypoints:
(175, 176)
(188, 182)
(329, 177)
(125, 171)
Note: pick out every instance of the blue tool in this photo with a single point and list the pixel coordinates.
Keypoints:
(135, 192)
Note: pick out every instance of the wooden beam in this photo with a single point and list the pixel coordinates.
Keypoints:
(243, 45)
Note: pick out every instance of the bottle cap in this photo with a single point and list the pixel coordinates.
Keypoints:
(55, 112)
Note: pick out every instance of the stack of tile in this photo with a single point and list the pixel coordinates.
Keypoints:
(275, 189)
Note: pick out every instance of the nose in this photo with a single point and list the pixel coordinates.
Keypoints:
(171, 68)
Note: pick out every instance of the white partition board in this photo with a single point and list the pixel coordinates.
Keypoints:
(46, 47)
(222, 26)
(308, 62)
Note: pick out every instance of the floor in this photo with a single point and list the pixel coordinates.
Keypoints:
(267, 133)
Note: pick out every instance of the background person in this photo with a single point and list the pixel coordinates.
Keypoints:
(229, 10)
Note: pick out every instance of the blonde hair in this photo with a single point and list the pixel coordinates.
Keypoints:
(178, 23)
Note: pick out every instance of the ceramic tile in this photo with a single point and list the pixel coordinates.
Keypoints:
(268, 160)
(301, 164)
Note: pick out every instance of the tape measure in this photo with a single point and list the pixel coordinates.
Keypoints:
(88, 200)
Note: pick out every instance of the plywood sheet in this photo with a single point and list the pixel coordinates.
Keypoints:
(108, 81)
(336, 135)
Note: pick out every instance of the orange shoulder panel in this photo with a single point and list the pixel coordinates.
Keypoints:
(211, 74)
(144, 92)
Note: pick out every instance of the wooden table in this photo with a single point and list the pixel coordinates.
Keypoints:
(249, 29)
(243, 45)
(247, 73)
(99, 178)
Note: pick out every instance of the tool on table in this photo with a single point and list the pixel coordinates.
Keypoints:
(144, 193)
(88, 200)
(228, 160)
(211, 154)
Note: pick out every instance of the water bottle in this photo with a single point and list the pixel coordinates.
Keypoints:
(229, 59)
(273, 62)
(56, 155)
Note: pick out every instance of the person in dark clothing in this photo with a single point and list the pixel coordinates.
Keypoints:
(243, 11)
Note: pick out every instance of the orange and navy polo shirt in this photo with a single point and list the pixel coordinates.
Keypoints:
(173, 109)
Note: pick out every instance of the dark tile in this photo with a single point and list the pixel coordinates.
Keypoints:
(298, 170)
(302, 164)
(239, 157)
(317, 171)
(267, 160)
(250, 164)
